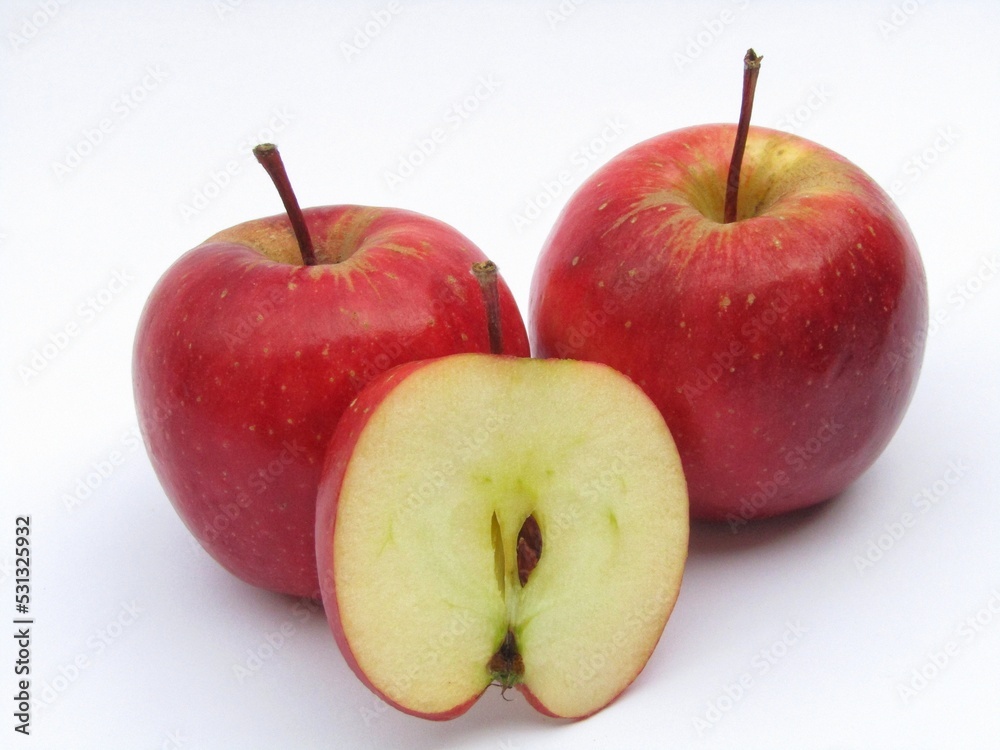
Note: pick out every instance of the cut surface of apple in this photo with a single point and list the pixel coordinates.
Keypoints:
(493, 520)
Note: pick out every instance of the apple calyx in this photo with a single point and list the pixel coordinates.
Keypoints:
(269, 158)
(507, 666)
(751, 69)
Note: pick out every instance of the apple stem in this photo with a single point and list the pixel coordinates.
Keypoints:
(486, 274)
(269, 158)
(751, 68)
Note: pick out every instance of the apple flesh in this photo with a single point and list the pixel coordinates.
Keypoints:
(486, 519)
(245, 358)
(782, 348)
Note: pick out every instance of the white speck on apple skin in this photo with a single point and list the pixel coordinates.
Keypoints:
(223, 293)
(750, 299)
(724, 301)
(871, 229)
(602, 206)
(292, 286)
(576, 259)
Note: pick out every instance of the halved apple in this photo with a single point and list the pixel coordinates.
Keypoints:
(493, 520)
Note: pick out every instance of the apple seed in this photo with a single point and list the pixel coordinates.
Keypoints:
(529, 548)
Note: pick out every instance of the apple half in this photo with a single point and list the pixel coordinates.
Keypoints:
(495, 520)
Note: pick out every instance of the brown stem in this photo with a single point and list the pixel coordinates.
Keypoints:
(751, 67)
(486, 275)
(269, 158)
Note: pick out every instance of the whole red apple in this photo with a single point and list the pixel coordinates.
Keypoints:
(246, 356)
(782, 347)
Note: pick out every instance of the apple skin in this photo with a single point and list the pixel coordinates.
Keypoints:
(244, 360)
(782, 348)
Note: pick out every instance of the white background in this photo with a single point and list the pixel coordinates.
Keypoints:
(138, 632)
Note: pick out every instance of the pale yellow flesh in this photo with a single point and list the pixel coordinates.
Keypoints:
(576, 445)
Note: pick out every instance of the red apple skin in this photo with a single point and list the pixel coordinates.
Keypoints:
(351, 425)
(782, 349)
(243, 364)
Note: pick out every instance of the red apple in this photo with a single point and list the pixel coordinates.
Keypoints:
(245, 357)
(782, 347)
(494, 520)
